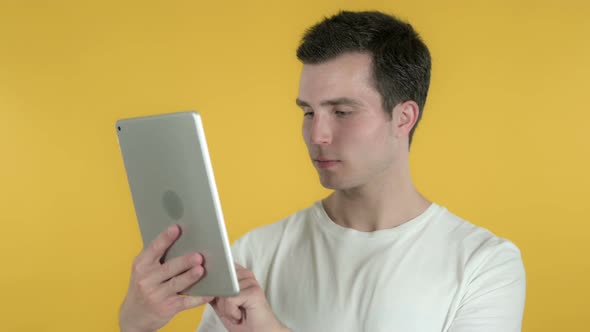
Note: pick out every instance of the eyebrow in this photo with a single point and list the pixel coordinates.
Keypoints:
(331, 102)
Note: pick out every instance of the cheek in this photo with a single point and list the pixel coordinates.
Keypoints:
(305, 132)
(365, 133)
(369, 142)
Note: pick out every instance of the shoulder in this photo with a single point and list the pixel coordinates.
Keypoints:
(469, 236)
(478, 249)
(492, 290)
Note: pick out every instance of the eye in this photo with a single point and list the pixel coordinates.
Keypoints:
(342, 113)
(308, 114)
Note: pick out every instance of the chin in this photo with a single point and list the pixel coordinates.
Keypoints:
(335, 184)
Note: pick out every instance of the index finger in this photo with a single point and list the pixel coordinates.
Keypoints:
(157, 248)
(243, 272)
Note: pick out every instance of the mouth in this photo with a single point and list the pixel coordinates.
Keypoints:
(325, 163)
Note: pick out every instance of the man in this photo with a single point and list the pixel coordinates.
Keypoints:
(375, 255)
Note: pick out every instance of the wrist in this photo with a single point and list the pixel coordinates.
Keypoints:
(133, 329)
(126, 325)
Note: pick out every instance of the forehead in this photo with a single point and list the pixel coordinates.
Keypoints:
(349, 74)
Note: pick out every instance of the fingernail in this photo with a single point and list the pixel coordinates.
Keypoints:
(197, 271)
(171, 230)
(198, 258)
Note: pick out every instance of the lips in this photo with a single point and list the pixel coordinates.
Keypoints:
(326, 163)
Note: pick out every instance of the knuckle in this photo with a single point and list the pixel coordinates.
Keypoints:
(166, 268)
(137, 267)
(142, 286)
(154, 247)
(173, 283)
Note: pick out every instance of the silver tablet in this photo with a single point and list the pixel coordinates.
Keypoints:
(171, 181)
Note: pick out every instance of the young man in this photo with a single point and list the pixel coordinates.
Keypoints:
(375, 255)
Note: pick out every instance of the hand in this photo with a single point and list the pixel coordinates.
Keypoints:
(153, 295)
(249, 310)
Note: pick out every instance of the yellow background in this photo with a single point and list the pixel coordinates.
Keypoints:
(504, 141)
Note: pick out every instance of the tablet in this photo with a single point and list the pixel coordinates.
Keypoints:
(171, 180)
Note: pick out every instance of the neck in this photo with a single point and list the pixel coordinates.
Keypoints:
(388, 201)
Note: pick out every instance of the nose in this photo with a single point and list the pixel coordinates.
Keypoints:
(321, 132)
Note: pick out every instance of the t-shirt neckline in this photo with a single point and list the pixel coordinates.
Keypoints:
(328, 224)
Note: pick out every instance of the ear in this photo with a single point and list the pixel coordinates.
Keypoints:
(405, 116)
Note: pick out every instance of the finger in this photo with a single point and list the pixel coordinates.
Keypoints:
(246, 284)
(243, 273)
(227, 309)
(160, 244)
(229, 321)
(233, 307)
(181, 282)
(175, 267)
(223, 309)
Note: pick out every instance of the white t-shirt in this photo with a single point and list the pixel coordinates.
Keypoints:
(433, 273)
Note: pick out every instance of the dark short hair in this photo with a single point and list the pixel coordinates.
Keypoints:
(401, 60)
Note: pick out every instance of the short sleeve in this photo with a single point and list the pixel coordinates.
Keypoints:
(495, 297)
